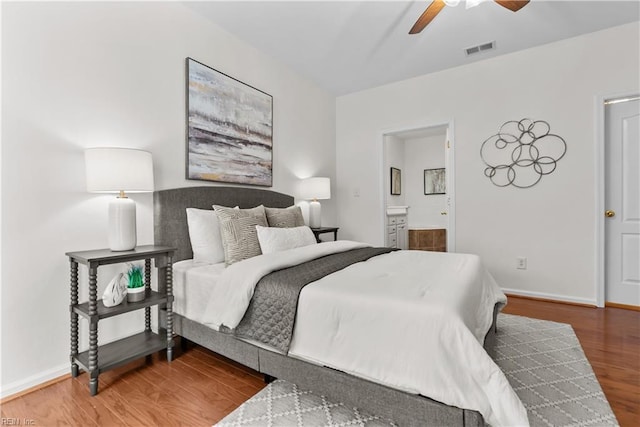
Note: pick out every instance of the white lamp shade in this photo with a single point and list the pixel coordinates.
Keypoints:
(111, 170)
(116, 170)
(316, 188)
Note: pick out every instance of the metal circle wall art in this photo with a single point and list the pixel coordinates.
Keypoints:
(521, 153)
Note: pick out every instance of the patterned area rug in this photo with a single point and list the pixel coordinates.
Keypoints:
(548, 370)
(284, 404)
(543, 361)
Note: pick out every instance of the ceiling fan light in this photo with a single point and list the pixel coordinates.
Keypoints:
(451, 2)
(473, 3)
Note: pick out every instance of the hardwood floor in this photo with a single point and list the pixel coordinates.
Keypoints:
(200, 387)
(197, 389)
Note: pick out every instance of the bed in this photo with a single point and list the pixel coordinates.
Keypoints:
(403, 406)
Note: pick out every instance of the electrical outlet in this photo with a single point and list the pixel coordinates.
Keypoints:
(521, 263)
(356, 192)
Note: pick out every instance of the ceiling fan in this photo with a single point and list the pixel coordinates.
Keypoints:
(437, 5)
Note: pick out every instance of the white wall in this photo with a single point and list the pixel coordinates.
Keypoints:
(553, 223)
(78, 75)
(421, 154)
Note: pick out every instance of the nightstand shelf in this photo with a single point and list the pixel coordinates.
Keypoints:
(151, 298)
(124, 351)
(98, 359)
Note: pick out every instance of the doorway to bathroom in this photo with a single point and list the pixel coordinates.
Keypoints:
(418, 188)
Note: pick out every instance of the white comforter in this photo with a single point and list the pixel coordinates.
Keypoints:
(412, 320)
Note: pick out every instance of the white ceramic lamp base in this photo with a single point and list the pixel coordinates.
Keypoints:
(122, 224)
(315, 214)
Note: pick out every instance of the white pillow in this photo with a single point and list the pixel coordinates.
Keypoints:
(204, 233)
(275, 239)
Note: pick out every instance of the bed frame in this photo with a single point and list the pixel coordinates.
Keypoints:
(170, 229)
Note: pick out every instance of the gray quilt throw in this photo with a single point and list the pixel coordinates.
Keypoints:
(272, 312)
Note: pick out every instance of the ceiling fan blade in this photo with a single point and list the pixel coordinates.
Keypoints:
(512, 5)
(427, 16)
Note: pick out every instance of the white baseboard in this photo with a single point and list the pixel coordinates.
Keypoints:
(34, 380)
(543, 295)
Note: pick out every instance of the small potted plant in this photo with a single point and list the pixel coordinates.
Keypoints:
(135, 289)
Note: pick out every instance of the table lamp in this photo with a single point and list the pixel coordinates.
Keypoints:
(314, 189)
(120, 170)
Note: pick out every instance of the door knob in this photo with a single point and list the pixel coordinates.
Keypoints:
(609, 214)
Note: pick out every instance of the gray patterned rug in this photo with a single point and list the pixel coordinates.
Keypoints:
(543, 361)
(548, 370)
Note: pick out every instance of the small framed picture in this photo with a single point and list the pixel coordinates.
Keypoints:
(396, 182)
(435, 181)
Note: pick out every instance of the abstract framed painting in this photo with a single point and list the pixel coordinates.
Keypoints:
(435, 181)
(229, 128)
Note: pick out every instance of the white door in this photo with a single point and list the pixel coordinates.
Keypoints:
(622, 203)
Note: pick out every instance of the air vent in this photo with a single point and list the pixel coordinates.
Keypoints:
(480, 48)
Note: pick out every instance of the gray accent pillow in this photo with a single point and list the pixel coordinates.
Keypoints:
(285, 217)
(238, 232)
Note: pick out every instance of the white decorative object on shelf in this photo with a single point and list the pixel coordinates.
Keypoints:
(115, 291)
(120, 170)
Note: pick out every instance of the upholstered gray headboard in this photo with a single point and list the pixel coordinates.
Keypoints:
(170, 216)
